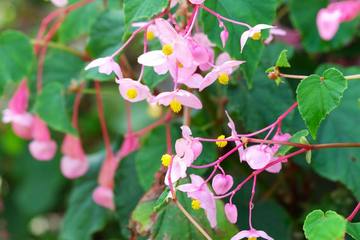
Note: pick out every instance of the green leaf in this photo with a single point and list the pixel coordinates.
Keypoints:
(249, 11)
(296, 138)
(106, 34)
(141, 217)
(328, 226)
(353, 229)
(83, 216)
(303, 16)
(162, 201)
(79, 21)
(318, 97)
(282, 60)
(16, 56)
(142, 10)
(51, 107)
(152, 79)
(341, 164)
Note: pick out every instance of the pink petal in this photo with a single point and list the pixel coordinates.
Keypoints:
(222, 58)
(72, 147)
(167, 33)
(23, 131)
(264, 235)
(197, 1)
(152, 58)
(187, 188)
(194, 81)
(260, 27)
(104, 197)
(196, 147)
(241, 235)
(40, 130)
(224, 35)
(231, 212)
(222, 183)
(209, 79)
(43, 150)
(196, 180)
(72, 167)
(244, 37)
(328, 23)
(98, 62)
(257, 156)
(188, 99)
(183, 53)
(19, 101)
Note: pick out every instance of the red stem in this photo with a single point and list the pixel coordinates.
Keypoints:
(354, 212)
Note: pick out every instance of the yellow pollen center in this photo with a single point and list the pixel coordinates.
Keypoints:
(131, 93)
(195, 204)
(223, 78)
(256, 36)
(166, 160)
(252, 238)
(150, 35)
(221, 144)
(167, 50)
(175, 106)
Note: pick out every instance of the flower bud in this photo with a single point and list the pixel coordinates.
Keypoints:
(231, 212)
(104, 197)
(196, 147)
(222, 183)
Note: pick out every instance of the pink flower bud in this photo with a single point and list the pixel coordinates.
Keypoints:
(231, 212)
(196, 147)
(281, 138)
(222, 183)
(42, 147)
(224, 35)
(74, 163)
(258, 156)
(104, 197)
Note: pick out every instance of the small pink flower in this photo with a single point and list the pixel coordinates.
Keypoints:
(60, 3)
(106, 65)
(254, 33)
(104, 197)
(133, 91)
(234, 135)
(222, 183)
(17, 114)
(281, 137)
(197, 1)
(74, 163)
(274, 32)
(203, 40)
(252, 233)
(258, 156)
(42, 147)
(231, 212)
(329, 19)
(176, 99)
(198, 190)
(177, 170)
(221, 71)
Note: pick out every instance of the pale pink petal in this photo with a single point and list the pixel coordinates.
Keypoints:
(161, 69)
(196, 147)
(98, 62)
(260, 27)
(224, 35)
(21, 130)
(43, 150)
(328, 23)
(222, 58)
(194, 81)
(187, 188)
(166, 33)
(40, 131)
(231, 212)
(186, 132)
(152, 58)
(264, 235)
(196, 180)
(72, 147)
(258, 156)
(244, 37)
(104, 197)
(241, 235)
(72, 167)
(209, 79)
(197, 1)
(183, 53)
(164, 98)
(275, 168)
(188, 99)
(222, 183)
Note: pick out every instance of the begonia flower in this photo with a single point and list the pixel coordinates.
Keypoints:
(258, 156)
(104, 197)
(106, 65)
(251, 234)
(42, 147)
(202, 197)
(274, 32)
(17, 114)
(231, 212)
(133, 91)
(253, 33)
(222, 183)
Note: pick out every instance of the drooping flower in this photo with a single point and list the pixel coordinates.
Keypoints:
(42, 147)
(258, 156)
(17, 114)
(104, 197)
(202, 40)
(202, 197)
(274, 32)
(176, 99)
(60, 3)
(282, 138)
(251, 234)
(222, 183)
(224, 67)
(74, 163)
(174, 46)
(253, 33)
(133, 91)
(231, 212)
(329, 19)
(234, 135)
(177, 170)
(106, 65)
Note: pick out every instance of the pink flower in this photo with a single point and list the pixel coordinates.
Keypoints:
(234, 135)
(252, 233)
(60, 3)
(42, 147)
(177, 170)
(176, 99)
(174, 47)
(254, 33)
(197, 1)
(17, 114)
(198, 190)
(274, 32)
(203, 41)
(281, 137)
(222, 183)
(133, 91)
(74, 163)
(329, 19)
(231, 212)
(220, 72)
(104, 197)
(224, 35)
(106, 65)
(258, 156)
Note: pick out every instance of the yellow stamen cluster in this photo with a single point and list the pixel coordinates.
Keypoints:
(252, 238)
(256, 36)
(167, 50)
(175, 106)
(131, 93)
(195, 204)
(166, 160)
(221, 144)
(223, 78)
(150, 35)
